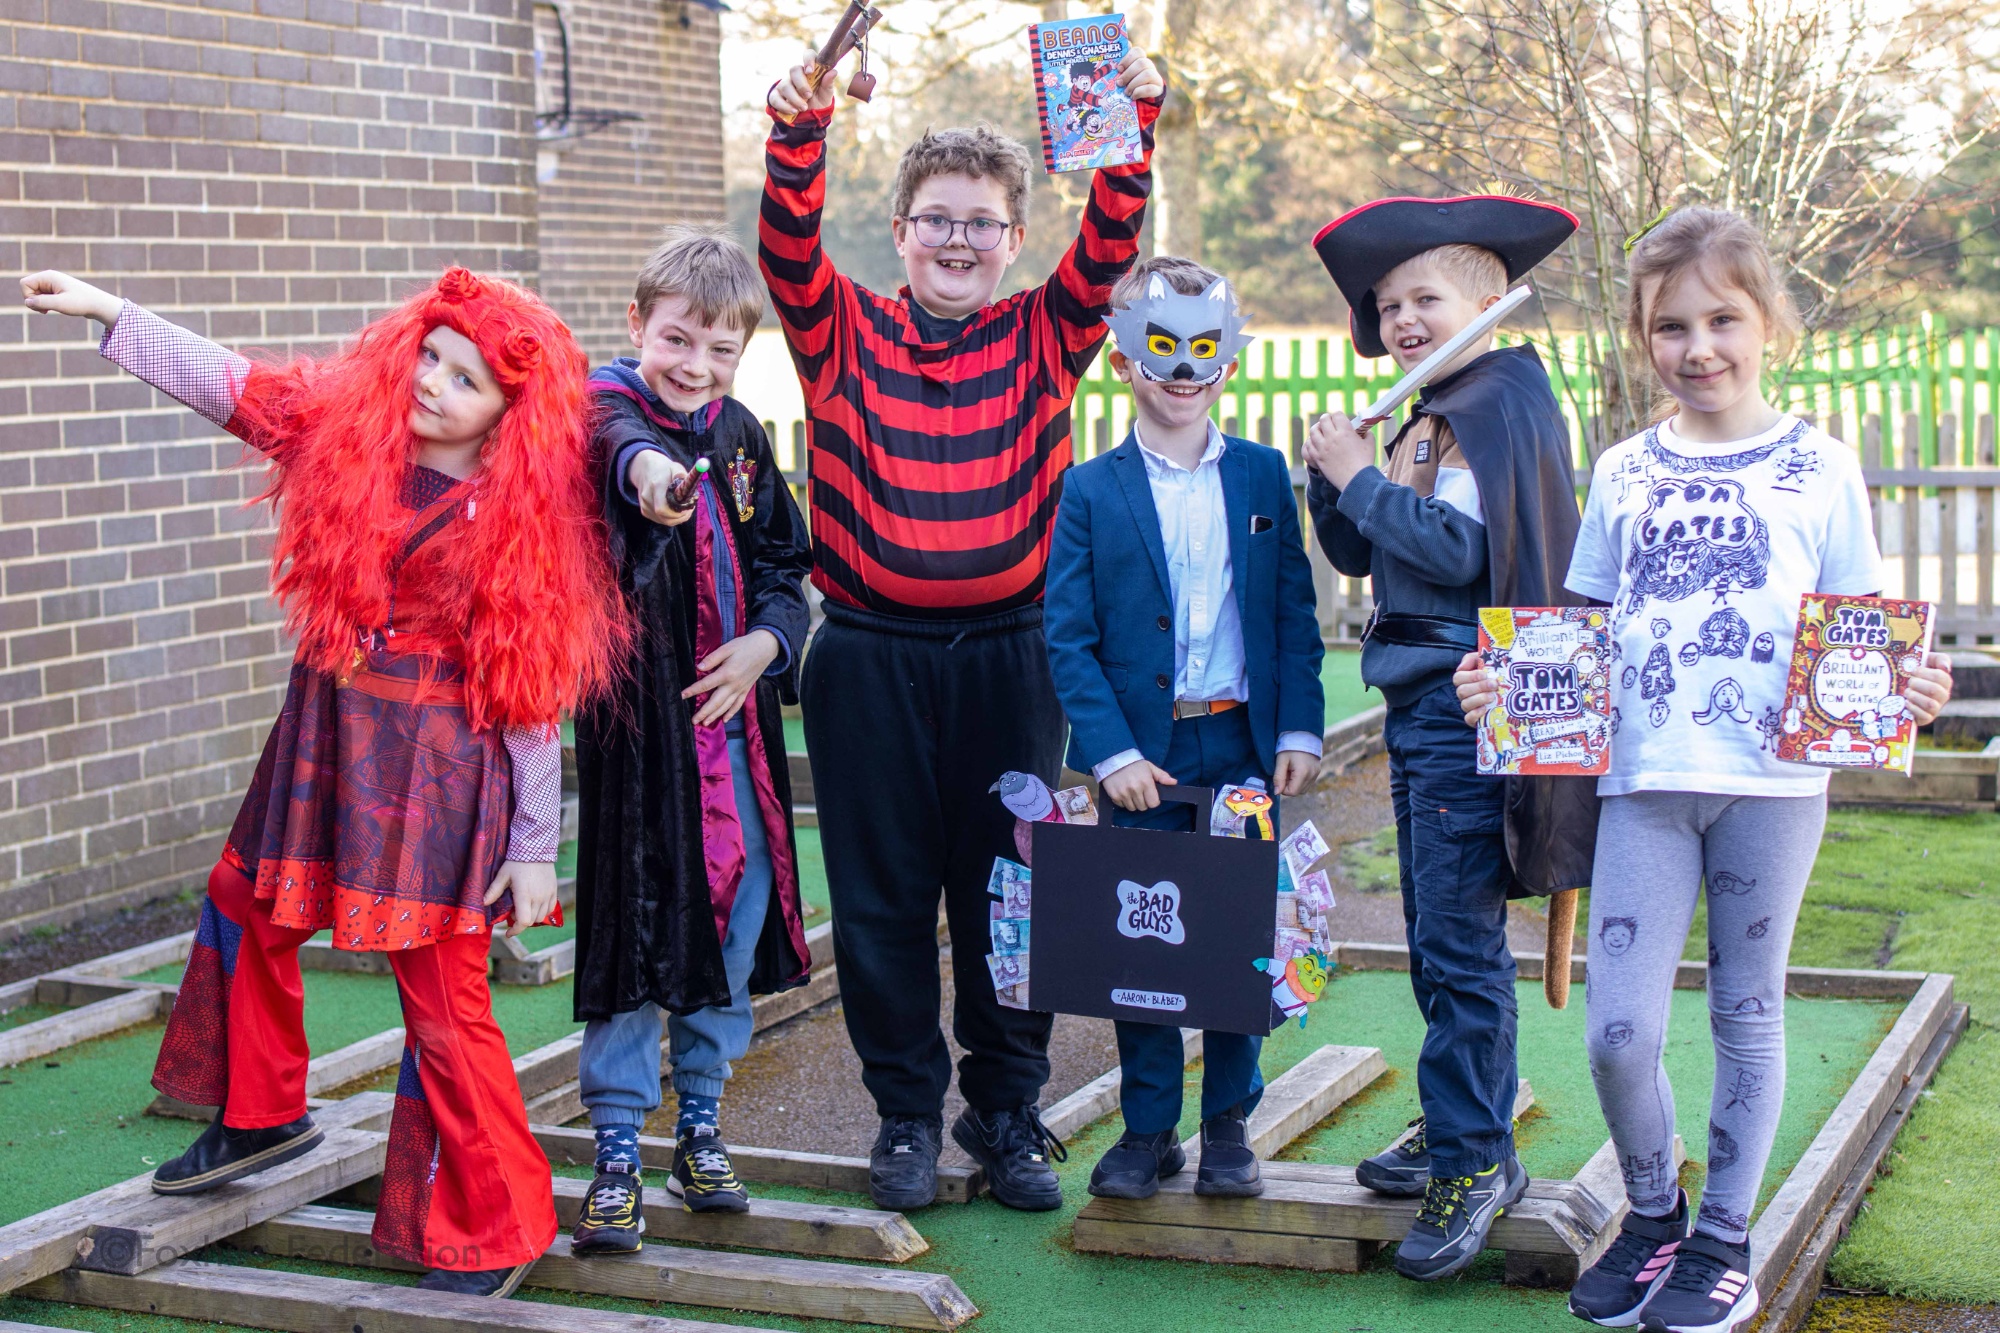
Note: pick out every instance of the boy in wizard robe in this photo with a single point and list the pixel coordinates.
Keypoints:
(1475, 505)
(687, 874)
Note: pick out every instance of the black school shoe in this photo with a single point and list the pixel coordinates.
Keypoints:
(612, 1220)
(1015, 1148)
(902, 1166)
(1708, 1291)
(1400, 1171)
(1228, 1168)
(495, 1282)
(1456, 1216)
(223, 1154)
(1133, 1167)
(1613, 1291)
(704, 1177)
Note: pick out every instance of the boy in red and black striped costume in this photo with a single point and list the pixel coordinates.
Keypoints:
(940, 428)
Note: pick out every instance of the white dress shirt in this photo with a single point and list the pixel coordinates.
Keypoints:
(1208, 629)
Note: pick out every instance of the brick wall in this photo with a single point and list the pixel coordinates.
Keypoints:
(270, 173)
(611, 192)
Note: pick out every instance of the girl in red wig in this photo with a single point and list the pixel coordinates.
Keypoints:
(440, 562)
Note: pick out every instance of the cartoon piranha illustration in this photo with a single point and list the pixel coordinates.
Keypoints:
(1297, 983)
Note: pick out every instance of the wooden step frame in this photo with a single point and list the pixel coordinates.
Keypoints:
(900, 1298)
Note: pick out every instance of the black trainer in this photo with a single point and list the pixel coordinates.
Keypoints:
(223, 1154)
(1708, 1291)
(1133, 1166)
(612, 1220)
(1613, 1291)
(902, 1166)
(1015, 1148)
(704, 1177)
(495, 1282)
(1228, 1168)
(1456, 1216)
(1402, 1169)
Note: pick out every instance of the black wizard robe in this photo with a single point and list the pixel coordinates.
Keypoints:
(647, 921)
(1504, 416)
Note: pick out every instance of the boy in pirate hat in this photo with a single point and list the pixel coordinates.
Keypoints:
(1474, 506)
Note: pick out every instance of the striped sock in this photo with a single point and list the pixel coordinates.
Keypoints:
(618, 1148)
(698, 1113)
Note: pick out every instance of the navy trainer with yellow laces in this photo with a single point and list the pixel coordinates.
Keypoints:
(1455, 1218)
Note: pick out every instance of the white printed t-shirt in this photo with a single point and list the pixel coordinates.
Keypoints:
(1703, 552)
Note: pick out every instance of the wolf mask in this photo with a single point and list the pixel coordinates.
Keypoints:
(1172, 337)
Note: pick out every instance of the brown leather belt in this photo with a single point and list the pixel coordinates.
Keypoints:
(1202, 707)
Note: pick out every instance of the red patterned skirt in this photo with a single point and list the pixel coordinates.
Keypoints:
(376, 809)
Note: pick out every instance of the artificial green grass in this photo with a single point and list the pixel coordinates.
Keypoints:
(1340, 677)
(1023, 1273)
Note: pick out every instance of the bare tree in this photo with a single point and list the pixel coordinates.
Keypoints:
(1835, 124)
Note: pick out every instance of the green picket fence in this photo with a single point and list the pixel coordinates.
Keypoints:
(1282, 383)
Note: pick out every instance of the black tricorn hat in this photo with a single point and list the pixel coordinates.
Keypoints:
(1361, 246)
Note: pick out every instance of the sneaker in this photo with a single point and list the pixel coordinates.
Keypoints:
(1400, 1170)
(1708, 1289)
(1455, 1218)
(1613, 1291)
(1134, 1165)
(1015, 1148)
(704, 1177)
(223, 1154)
(1228, 1168)
(902, 1166)
(495, 1282)
(611, 1221)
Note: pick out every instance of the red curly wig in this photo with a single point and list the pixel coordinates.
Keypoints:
(526, 599)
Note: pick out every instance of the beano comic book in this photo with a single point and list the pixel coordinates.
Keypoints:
(1088, 121)
(1554, 668)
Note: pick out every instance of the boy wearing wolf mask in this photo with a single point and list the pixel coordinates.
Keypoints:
(1184, 646)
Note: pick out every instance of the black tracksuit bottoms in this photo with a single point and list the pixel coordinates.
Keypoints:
(908, 724)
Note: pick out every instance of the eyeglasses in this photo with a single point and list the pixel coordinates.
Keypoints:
(936, 230)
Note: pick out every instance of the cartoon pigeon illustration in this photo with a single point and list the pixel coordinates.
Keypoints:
(1030, 801)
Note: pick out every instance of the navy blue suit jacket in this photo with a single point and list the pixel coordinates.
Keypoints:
(1109, 608)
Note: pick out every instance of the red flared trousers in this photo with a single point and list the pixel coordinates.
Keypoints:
(465, 1185)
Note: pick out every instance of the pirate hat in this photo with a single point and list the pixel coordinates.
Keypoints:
(1360, 247)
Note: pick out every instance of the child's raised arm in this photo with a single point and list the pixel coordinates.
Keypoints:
(180, 363)
(801, 278)
(1077, 295)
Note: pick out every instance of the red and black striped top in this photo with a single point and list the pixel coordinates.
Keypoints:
(936, 467)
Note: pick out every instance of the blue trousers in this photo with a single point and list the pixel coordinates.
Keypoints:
(1211, 751)
(619, 1065)
(1452, 857)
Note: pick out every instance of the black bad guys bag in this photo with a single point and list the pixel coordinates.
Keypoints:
(1154, 927)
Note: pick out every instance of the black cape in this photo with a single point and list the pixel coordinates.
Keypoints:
(645, 929)
(1504, 416)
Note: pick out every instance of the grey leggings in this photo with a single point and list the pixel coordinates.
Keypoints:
(1655, 852)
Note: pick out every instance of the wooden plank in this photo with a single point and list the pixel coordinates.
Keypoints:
(771, 1224)
(141, 957)
(761, 1166)
(1789, 1306)
(1830, 982)
(1307, 1199)
(318, 955)
(897, 1297)
(1099, 1097)
(49, 1241)
(69, 988)
(17, 993)
(1787, 1221)
(301, 1303)
(1304, 1095)
(355, 1060)
(72, 1026)
(538, 968)
(767, 1011)
(1320, 1254)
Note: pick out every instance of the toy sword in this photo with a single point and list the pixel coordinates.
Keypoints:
(849, 33)
(1489, 320)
